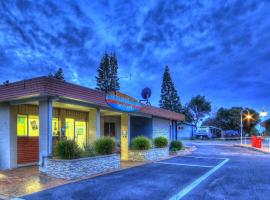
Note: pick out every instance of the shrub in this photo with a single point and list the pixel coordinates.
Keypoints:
(176, 145)
(105, 146)
(68, 149)
(89, 151)
(160, 142)
(140, 143)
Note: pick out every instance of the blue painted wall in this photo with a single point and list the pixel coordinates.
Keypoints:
(140, 126)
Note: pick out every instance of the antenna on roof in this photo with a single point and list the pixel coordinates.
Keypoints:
(146, 94)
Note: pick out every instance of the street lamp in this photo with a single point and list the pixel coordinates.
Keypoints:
(248, 116)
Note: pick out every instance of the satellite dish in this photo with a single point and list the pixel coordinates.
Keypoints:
(146, 94)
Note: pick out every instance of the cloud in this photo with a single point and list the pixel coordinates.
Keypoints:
(215, 48)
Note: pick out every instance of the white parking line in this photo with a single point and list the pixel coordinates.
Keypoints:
(183, 164)
(195, 183)
(218, 158)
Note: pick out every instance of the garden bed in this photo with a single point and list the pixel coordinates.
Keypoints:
(77, 168)
(148, 155)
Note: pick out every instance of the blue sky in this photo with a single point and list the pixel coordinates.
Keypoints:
(220, 49)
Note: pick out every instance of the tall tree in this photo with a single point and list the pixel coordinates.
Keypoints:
(230, 119)
(169, 98)
(114, 80)
(107, 78)
(59, 74)
(199, 107)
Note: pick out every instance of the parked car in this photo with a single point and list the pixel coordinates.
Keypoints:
(204, 132)
(231, 134)
(208, 132)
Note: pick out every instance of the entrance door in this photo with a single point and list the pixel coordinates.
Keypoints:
(109, 129)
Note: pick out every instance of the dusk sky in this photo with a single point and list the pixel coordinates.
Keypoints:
(220, 49)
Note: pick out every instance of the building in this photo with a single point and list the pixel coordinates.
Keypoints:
(185, 131)
(266, 125)
(35, 113)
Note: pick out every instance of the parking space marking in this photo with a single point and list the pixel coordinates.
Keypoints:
(204, 157)
(195, 183)
(189, 165)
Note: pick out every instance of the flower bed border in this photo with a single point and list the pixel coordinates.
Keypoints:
(82, 167)
(148, 155)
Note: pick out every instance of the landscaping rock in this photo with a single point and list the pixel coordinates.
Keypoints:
(148, 155)
(72, 169)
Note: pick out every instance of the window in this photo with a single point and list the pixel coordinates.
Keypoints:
(70, 128)
(80, 133)
(109, 129)
(55, 126)
(22, 125)
(33, 124)
(28, 125)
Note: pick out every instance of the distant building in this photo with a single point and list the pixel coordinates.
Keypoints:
(266, 125)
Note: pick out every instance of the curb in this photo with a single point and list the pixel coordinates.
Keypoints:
(252, 148)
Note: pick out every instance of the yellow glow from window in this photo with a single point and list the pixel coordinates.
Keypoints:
(70, 128)
(80, 133)
(33, 124)
(55, 126)
(22, 125)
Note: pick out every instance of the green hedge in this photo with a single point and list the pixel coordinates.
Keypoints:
(105, 146)
(140, 143)
(68, 149)
(176, 146)
(160, 142)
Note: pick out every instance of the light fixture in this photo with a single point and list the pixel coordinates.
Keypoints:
(263, 113)
(248, 116)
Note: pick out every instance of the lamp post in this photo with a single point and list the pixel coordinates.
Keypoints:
(241, 125)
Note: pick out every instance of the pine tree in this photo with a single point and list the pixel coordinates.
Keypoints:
(107, 78)
(169, 98)
(114, 82)
(59, 74)
(103, 73)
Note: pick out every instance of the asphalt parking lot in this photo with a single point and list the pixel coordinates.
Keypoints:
(167, 179)
(217, 170)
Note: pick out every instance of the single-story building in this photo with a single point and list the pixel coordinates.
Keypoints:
(185, 130)
(36, 113)
(266, 125)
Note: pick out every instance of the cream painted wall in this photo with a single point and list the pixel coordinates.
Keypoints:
(125, 130)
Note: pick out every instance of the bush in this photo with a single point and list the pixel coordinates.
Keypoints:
(176, 146)
(89, 151)
(68, 149)
(105, 146)
(140, 143)
(160, 142)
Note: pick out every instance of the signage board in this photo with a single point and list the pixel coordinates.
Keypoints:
(122, 102)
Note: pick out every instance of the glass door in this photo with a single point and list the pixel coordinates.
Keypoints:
(80, 133)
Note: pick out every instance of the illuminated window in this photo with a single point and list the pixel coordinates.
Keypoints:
(80, 133)
(33, 124)
(70, 128)
(55, 126)
(22, 125)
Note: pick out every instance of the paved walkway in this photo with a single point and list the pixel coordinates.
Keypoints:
(27, 180)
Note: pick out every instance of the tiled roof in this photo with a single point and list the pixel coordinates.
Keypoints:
(45, 86)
